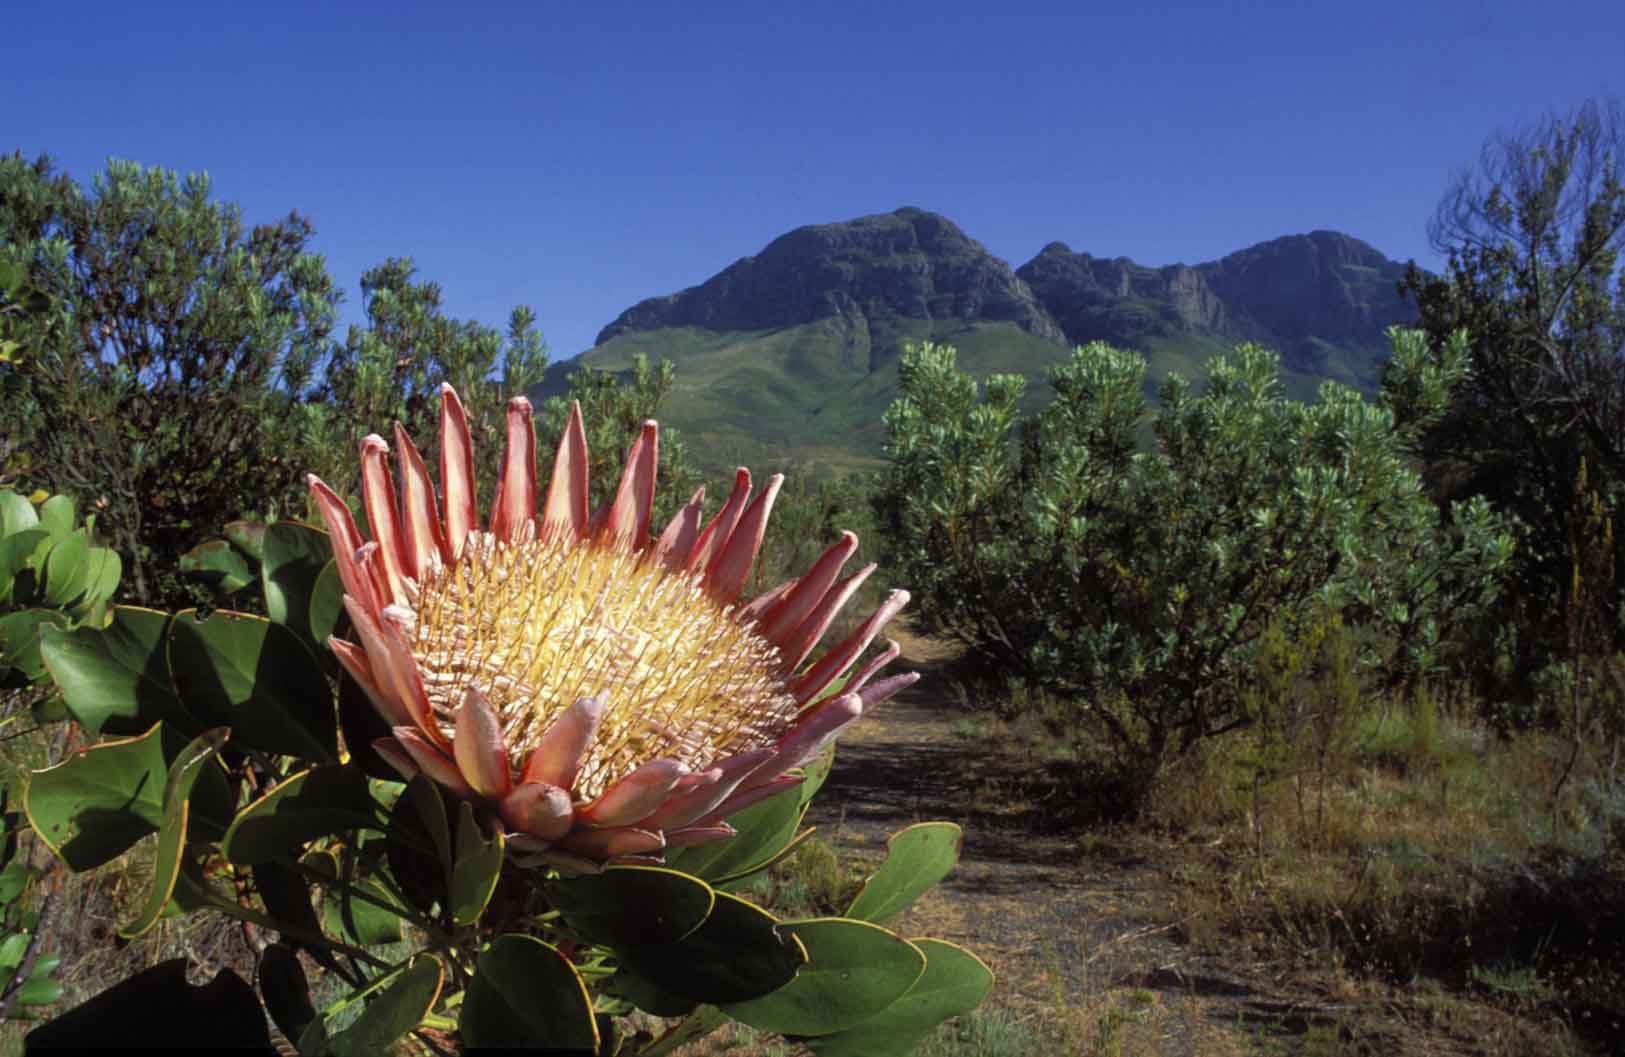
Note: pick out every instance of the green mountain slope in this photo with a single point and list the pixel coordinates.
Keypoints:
(801, 393)
(791, 355)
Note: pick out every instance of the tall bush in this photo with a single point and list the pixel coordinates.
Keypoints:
(1139, 582)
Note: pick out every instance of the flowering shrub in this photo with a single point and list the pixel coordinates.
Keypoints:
(493, 777)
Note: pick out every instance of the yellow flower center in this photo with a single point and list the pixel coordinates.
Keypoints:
(535, 625)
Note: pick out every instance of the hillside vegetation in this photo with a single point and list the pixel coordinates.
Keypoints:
(791, 354)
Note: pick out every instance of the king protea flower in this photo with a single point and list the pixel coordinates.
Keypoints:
(597, 692)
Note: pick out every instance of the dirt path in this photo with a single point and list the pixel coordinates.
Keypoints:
(1078, 940)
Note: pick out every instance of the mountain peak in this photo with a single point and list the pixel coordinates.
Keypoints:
(1297, 294)
(907, 264)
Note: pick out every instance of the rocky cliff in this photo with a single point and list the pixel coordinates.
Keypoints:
(909, 265)
(1300, 294)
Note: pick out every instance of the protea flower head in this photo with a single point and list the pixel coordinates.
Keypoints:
(598, 692)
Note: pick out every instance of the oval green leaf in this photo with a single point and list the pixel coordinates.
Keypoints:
(218, 564)
(649, 998)
(285, 990)
(256, 676)
(632, 905)
(916, 859)
(399, 1006)
(286, 895)
(58, 516)
(419, 845)
(183, 775)
(105, 569)
(954, 983)
(764, 829)
(18, 556)
(20, 641)
(247, 536)
(67, 570)
(98, 802)
(476, 868)
(525, 995)
(739, 953)
(16, 512)
(326, 603)
(293, 558)
(311, 804)
(116, 679)
(854, 971)
(360, 921)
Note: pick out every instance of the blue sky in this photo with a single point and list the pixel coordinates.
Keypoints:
(579, 158)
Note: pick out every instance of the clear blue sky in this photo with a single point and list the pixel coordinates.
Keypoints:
(580, 157)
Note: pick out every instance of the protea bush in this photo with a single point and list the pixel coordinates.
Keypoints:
(499, 778)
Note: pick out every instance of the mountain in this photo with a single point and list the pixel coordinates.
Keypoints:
(792, 353)
(1322, 300)
(866, 273)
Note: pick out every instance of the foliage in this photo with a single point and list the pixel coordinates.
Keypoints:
(186, 333)
(220, 749)
(1533, 236)
(183, 370)
(52, 575)
(614, 407)
(1139, 583)
(391, 368)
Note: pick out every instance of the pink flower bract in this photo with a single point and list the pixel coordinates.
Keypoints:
(599, 690)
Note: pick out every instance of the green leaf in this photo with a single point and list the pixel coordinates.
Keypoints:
(311, 804)
(98, 802)
(66, 569)
(954, 983)
(286, 895)
(525, 995)
(478, 865)
(285, 990)
(248, 537)
(159, 1008)
(916, 859)
(632, 905)
(419, 846)
(218, 564)
(58, 516)
(362, 923)
(294, 556)
(20, 557)
(116, 679)
(40, 990)
(398, 1007)
(103, 569)
(326, 603)
(20, 640)
(16, 513)
(425, 798)
(817, 770)
(739, 953)
(649, 998)
(256, 676)
(764, 828)
(11, 951)
(854, 970)
(177, 801)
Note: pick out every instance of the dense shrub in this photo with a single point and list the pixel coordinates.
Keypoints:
(1140, 582)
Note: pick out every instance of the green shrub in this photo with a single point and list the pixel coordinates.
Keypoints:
(1139, 583)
